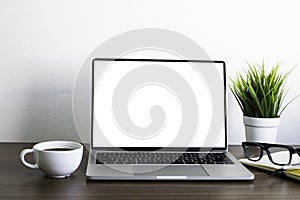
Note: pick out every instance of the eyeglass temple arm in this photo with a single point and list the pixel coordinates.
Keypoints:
(297, 151)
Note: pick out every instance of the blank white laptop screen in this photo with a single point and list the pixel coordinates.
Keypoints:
(158, 103)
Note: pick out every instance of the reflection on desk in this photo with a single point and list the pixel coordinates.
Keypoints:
(18, 181)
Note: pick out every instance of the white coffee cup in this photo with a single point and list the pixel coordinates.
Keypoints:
(57, 159)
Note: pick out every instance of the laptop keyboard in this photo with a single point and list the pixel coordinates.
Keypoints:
(161, 158)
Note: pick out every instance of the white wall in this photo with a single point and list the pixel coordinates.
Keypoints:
(44, 43)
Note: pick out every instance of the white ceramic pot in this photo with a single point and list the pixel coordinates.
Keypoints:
(261, 129)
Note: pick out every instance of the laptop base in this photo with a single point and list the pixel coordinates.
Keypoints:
(234, 171)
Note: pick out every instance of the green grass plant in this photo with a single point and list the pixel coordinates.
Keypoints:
(260, 93)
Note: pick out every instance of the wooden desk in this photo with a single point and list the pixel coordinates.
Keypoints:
(20, 182)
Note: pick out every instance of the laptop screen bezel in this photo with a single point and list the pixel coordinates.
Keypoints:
(180, 149)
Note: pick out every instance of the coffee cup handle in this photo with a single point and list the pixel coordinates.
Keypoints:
(22, 157)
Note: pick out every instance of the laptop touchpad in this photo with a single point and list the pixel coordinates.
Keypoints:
(170, 170)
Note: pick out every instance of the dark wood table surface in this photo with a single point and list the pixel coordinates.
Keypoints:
(20, 182)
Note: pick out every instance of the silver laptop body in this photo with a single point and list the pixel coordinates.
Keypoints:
(126, 145)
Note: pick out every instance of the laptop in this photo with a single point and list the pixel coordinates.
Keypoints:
(159, 119)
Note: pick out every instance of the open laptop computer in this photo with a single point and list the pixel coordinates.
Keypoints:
(156, 119)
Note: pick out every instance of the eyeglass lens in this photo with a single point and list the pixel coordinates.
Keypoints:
(253, 152)
(282, 157)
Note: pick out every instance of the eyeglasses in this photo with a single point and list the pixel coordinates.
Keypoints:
(254, 152)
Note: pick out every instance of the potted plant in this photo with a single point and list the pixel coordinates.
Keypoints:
(260, 96)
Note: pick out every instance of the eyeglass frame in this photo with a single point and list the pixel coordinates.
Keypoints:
(266, 146)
